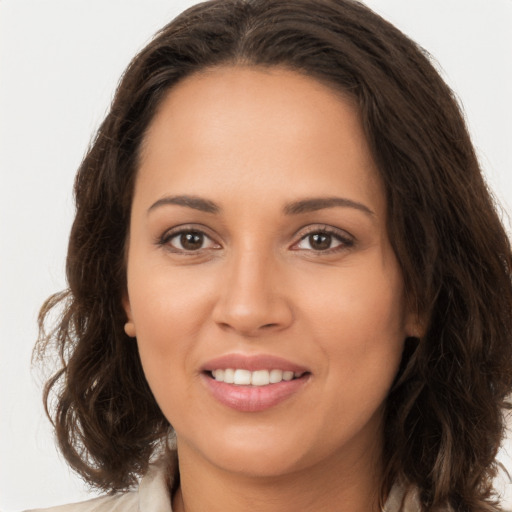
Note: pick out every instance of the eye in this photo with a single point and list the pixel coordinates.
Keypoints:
(323, 240)
(188, 240)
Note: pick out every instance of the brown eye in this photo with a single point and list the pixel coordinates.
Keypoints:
(323, 240)
(188, 241)
(191, 241)
(320, 241)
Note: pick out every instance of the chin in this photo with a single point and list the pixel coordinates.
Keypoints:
(262, 452)
(259, 463)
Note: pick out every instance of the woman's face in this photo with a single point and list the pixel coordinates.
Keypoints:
(258, 251)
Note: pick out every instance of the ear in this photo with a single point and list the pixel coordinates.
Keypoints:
(415, 325)
(129, 326)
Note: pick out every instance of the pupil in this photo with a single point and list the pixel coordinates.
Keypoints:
(320, 241)
(191, 241)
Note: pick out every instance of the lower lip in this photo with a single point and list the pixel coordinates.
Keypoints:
(254, 398)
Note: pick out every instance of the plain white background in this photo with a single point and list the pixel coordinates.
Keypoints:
(60, 61)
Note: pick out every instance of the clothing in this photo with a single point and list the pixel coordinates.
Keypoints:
(152, 495)
(401, 501)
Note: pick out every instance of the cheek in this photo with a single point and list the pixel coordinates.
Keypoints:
(361, 336)
(357, 318)
(355, 301)
(168, 310)
(166, 304)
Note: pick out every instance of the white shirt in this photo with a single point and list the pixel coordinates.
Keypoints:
(152, 495)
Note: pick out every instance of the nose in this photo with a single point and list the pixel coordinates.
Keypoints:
(252, 299)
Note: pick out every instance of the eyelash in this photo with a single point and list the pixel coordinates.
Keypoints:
(166, 238)
(345, 240)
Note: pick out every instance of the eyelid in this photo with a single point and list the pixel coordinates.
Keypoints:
(169, 234)
(346, 239)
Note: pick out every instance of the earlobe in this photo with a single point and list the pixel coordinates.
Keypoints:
(129, 329)
(129, 326)
(415, 326)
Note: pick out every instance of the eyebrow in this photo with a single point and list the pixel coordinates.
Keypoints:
(295, 208)
(197, 203)
(319, 203)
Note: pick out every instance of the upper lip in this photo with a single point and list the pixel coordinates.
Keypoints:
(252, 363)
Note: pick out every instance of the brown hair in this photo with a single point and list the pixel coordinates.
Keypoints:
(444, 419)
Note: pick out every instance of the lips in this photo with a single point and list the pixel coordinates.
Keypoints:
(253, 383)
(252, 363)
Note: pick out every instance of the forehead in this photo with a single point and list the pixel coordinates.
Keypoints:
(253, 127)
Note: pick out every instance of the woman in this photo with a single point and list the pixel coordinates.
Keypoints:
(288, 284)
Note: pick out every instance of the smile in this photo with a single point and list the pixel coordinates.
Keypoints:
(242, 377)
(253, 382)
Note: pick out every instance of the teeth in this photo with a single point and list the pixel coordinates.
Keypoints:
(260, 378)
(275, 376)
(241, 377)
(218, 375)
(229, 376)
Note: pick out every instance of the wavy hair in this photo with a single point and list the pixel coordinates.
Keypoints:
(444, 416)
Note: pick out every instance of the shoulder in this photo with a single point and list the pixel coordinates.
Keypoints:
(152, 494)
(126, 502)
(402, 498)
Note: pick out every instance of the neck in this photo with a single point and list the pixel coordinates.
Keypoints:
(344, 483)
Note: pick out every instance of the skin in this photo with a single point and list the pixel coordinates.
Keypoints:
(253, 141)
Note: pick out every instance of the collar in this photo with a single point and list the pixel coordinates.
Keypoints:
(154, 494)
